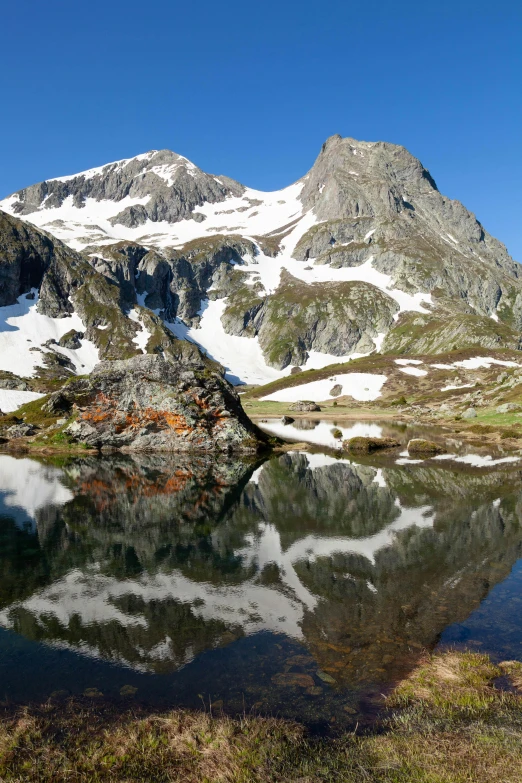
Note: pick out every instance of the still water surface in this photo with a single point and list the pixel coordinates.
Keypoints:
(303, 586)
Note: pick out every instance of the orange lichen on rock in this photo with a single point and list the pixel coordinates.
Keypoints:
(150, 403)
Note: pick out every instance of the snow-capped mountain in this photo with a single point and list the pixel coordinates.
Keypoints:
(362, 254)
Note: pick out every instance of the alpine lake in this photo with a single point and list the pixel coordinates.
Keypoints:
(303, 585)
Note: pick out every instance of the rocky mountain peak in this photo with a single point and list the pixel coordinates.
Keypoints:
(352, 178)
(154, 186)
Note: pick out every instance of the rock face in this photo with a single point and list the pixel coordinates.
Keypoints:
(25, 255)
(151, 403)
(376, 200)
(334, 318)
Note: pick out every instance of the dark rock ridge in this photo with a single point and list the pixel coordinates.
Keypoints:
(26, 253)
(173, 185)
(153, 403)
(174, 281)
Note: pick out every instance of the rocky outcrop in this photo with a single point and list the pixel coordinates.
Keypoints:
(153, 403)
(334, 318)
(416, 333)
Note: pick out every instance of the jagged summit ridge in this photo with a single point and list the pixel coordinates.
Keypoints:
(157, 185)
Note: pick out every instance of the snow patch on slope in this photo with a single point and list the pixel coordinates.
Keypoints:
(362, 386)
(12, 399)
(22, 327)
(416, 371)
(143, 336)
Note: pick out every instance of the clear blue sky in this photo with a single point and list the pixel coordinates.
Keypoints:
(253, 89)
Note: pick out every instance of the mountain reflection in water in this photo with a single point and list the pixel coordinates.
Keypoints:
(151, 562)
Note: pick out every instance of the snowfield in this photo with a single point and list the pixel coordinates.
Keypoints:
(22, 328)
(11, 399)
(362, 386)
(79, 227)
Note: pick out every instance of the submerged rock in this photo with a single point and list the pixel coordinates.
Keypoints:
(325, 677)
(287, 420)
(153, 403)
(293, 680)
(366, 445)
(421, 446)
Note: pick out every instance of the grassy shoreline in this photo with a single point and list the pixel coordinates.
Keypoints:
(446, 723)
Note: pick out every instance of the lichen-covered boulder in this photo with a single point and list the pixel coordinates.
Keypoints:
(20, 430)
(153, 403)
(304, 406)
